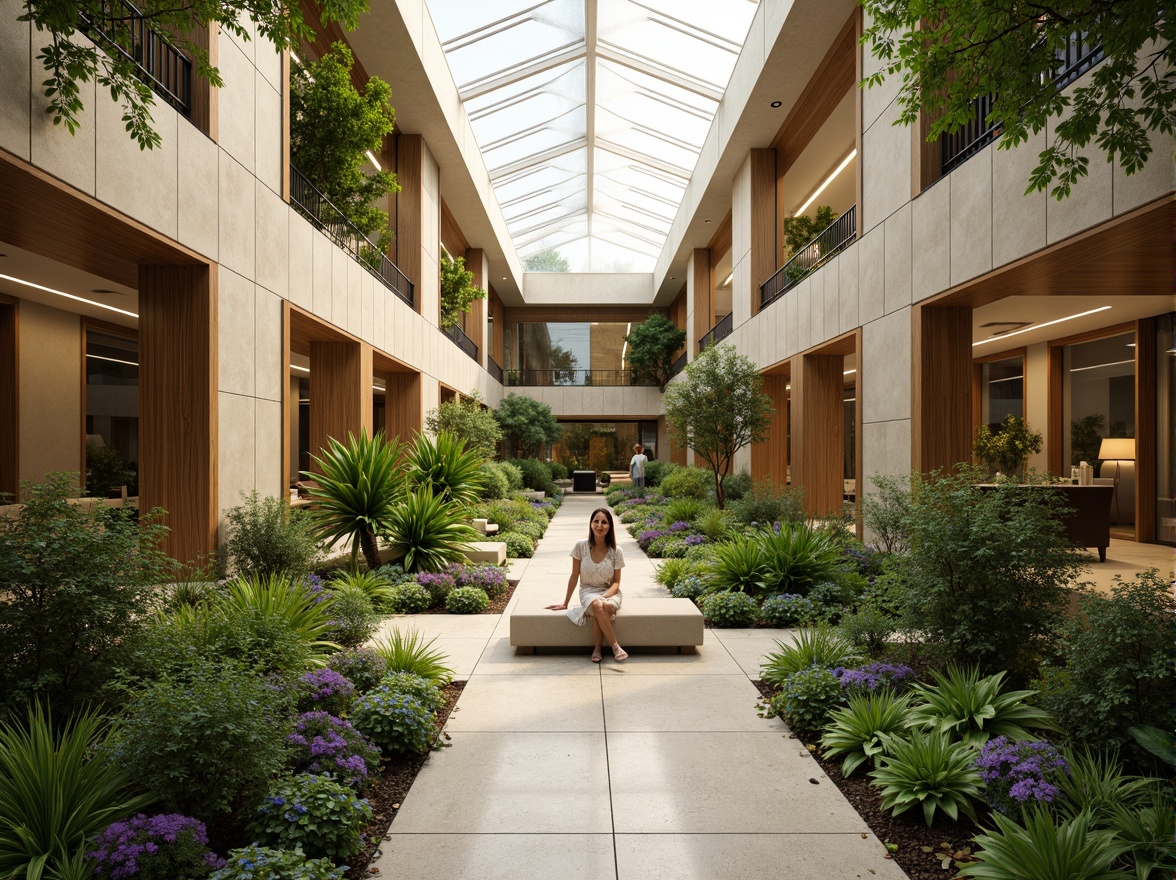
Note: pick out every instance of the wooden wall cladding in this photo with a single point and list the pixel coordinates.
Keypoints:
(765, 254)
(498, 316)
(770, 458)
(704, 297)
(452, 238)
(556, 314)
(1146, 451)
(340, 392)
(720, 241)
(178, 427)
(475, 259)
(402, 408)
(941, 388)
(677, 314)
(9, 398)
(818, 432)
(410, 208)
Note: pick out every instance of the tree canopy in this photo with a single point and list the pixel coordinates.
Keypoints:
(949, 54)
(549, 260)
(717, 408)
(653, 348)
(71, 62)
(457, 290)
(527, 425)
(468, 420)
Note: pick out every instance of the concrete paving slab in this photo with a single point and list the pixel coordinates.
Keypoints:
(750, 652)
(500, 659)
(529, 703)
(683, 702)
(710, 658)
(449, 625)
(498, 856)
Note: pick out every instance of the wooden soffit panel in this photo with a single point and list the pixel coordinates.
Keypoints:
(559, 314)
(720, 242)
(451, 236)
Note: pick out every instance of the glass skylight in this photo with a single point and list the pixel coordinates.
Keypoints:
(590, 114)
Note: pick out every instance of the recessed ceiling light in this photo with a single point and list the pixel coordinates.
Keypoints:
(777, 103)
(706, 221)
(68, 295)
(1040, 326)
(102, 290)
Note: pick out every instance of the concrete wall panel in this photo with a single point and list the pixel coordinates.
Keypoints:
(885, 370)
(16, 85)
(971, 218)
(237, 333)
(931, 242)
(897, 248)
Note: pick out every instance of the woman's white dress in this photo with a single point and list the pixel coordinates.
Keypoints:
(595, 579)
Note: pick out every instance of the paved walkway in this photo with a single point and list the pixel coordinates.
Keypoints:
(658, 767)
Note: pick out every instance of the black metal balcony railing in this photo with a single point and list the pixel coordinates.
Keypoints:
(495, 370)
(583, 378)
(957, 147)
(1078, 56)
(324, 216)
(122, 30)
(720, 331)
(679, 365)
(462, 341)
(830, 241)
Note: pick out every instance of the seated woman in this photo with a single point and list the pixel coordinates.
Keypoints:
(596, 563)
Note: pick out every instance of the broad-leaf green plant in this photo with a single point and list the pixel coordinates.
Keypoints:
(821, 645)
(1149, 830)
(861, 730)
(740, 566)
(928, 771)
(1044, 850)
(407, 651)
(446, 466)
(798, 558)
(55, 793)
(358, 486)
(426, 532)
(969, 709)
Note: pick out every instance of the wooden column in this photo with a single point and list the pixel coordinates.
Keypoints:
(178, 428)
(770, 458)
(402, 407)
(340, 392)
(476, 262)
(941, 388)
(764, 251)
(410, 157)
(1145, 430)
(9, 400)
(701, 292)
(818, 430)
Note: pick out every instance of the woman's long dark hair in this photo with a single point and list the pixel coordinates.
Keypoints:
(610, 539)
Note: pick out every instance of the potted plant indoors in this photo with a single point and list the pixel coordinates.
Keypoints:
(1007, 449)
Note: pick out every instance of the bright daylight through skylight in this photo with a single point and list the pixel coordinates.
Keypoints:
(590, 113)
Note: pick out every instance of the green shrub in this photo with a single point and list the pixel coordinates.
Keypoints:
(929, 771)
(262, 863)
(407, 651)
(766, 503)
(798, 558)
(204, 740)
(787, 609)
(267, 537)
(160, 847)
(376, 585)
(806, 699)
(410, 598)
(439, 584)
(986, 579)
(517, 546)
(656, 471)
(1043, 850)
(684, 509)
(535, 474)
(558, 471)
(413, 685)
(494, 481)
(740, 565)
(818, 646)
(714, 523)
(325, 743)
(514, 475)
(395, 722)
(76, 586)
(353, 620)
(1115, 668)
(861, 730)
(673, 570)
(53, 795)
(735, 486)
(886, 511)
(444, 465)
(688, 482)
(530, 529)
(316, 813)
(507, 513)
(704, 554)
(966, 708)
(467, 600)
(427, 532)
(729, 609)
(363, 667)
(689, 587)
(395, 574)
(869, 627)
(105, 470)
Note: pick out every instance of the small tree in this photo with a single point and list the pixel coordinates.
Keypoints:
(527, 425)
(468, 420)
(653, 347)
(718, 408)
(1009, 447)
(549, 260)
(457, 290)
(799, 231)
(332, 126)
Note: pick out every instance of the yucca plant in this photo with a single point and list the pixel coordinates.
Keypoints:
(821, 646)
(972, 709)
(55, 793)
(1042, 850)
(358, 485)
(714, 523)
(444, 464)
(860, 730)
(739, 566)
(263, 605)
(427, 532)
(407, 651)
(1149, 831)
(1096, 785)
(798, 558)
(928, 771)
(684, 509)
(375, 586)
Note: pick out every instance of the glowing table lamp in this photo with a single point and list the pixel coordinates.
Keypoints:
(1118, 450)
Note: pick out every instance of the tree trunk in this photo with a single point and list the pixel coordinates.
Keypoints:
(371, 552)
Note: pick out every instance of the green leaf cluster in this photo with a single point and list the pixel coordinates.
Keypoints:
(800, 231)
(468, 419)
(266, 537)
(263, 863)
(396, 722)
(966, 708)
(653, 347)
(549, 260)
(930, 771)
(728, 608)
(458, 291)
(1009, 447)
(527, 425)
(407, 651)
(861, 730)
(322, 816)
(816, 646)
(806, 698)
(427, 532)
(1042, 850)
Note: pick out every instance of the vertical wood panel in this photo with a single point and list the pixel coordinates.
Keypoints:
(818, 432)
(289, 400)
(1054, 443)
(941, 390)
(1146, 464)
(476, 262)
(410, 208)
(9, 398)
(770, 458)
(764, 250)
(859, 481)
(178, 404)
(340, 392)
(403, 405)
(498, 313)
(704, 299)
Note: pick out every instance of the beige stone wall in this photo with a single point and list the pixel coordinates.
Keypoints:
(50, 347)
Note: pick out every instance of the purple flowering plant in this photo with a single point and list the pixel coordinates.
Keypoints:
(867, 679)
(647, 537)
(695, 540)
(325, 689)
(1019, 773)
(322, 743)
(489, 578)
(167, 846)
(315, 812)
(679, 526)
(363, 667)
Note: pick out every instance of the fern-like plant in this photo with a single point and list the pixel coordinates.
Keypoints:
(820, 646)
(860, 730)
(684, 509)
(714, 523)
(928, 771)
(798, 558)
(1097, 785)
(374, 585)
(358, 486)
(445, 465)
(407, 651)
(427, 532)
(1043, 850)
(971, 709)
(739, 566)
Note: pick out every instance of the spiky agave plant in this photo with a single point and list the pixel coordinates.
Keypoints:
(427, 531)
(358, 487)
(445, 465)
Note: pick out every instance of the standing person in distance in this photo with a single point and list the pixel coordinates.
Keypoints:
(637, 466)
(596, 564)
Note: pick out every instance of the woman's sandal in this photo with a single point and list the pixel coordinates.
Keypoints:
(596, 656)
(619, 653)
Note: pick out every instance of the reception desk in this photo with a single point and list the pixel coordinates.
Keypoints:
(1089, 522)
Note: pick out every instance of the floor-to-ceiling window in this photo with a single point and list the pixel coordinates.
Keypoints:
(112, 412)
(1165, 425)
(603, 446)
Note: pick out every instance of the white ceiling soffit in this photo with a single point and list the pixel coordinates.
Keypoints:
(590, 114)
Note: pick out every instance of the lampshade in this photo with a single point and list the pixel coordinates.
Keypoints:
(1117, 449)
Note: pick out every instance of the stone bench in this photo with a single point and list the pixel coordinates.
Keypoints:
(486, 551)
(641, 622)
(486, 527)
